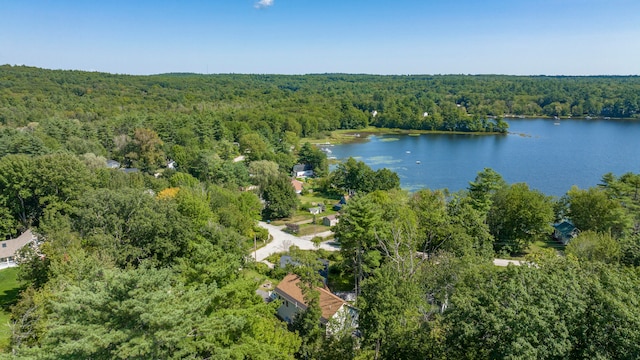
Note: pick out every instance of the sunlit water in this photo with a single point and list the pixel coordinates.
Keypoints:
(549, 157)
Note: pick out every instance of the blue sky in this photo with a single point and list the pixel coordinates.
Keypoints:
(525, 37)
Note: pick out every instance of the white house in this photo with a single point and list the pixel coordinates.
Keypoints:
(302, 170)
(337, 314)
(9, 248)
(112, 164)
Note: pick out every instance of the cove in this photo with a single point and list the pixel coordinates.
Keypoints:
(548, 155)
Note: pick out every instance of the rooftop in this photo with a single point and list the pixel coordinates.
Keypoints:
(329, 303)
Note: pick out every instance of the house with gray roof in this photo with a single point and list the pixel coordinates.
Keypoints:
(9, 248)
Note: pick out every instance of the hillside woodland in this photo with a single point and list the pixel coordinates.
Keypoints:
(136, 186)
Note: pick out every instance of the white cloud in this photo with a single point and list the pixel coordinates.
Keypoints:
(261, 4)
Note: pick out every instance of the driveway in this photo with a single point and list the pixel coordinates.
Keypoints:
(282, 241)
(504, 262)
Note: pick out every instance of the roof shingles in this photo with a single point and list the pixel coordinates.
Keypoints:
(329, 303)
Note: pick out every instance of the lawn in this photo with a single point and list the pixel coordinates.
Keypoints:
(9, 290)
(546, 244)
(311, 229)
(538, 246)
(304, 215)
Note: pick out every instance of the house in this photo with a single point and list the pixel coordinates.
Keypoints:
(342, 202)
(316, 209)
(330, 220)
(238, 158)
(112, 164)
(564, 231)
(302, 170)
(337, 314)
(9, 248)
(171, 164)
(130, 170)
(297, 185)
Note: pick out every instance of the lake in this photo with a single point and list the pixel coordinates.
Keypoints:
(547, 156)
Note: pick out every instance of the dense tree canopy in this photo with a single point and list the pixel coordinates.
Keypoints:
(152, 262)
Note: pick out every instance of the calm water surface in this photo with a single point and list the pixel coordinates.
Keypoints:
(549, 157)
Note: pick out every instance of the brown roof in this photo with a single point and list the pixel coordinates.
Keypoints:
(297, 184)
(329, 303)
(10, 247)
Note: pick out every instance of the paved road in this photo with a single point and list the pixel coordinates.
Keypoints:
(282, 241)
(504, 262)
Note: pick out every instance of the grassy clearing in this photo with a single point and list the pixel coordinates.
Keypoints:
(360, 135)
(538, 246)
(317, 198)
(310, 229)
(294, 219)
(9, 291)
(546, 244)
(302, 215)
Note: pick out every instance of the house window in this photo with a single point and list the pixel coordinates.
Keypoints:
(286, 303)
(4, 245)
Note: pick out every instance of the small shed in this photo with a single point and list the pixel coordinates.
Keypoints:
(330, 220)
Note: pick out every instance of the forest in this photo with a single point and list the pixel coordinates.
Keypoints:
(150, 257)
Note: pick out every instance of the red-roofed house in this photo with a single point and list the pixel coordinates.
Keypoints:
(297, 185)
(336, 313)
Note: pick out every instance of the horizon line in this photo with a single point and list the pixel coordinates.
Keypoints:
(321, 73)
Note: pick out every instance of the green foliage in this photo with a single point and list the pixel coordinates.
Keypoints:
(29, 186)
(630, 250)
(280, 198)
(484, 187)
(131, 225)
(357, 230)
(556, 309)
(263, 171)
(315, 157)
(356, 176)
(122, 273)
(593, 246)
(592, 209)
(147, 313)
(519, 216)
(9, 294)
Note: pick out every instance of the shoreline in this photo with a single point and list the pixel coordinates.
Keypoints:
(350, 136)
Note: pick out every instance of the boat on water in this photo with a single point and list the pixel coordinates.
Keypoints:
(417, 161)
(408, 152)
